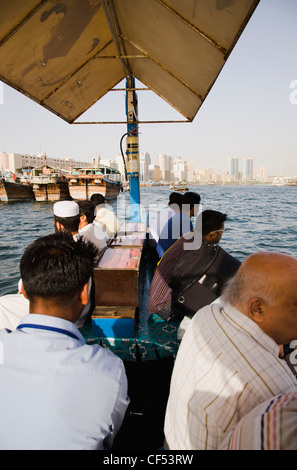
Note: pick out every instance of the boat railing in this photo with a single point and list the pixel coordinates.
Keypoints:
(44, 179)
(113, 176)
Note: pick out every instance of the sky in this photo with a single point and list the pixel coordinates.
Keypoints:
(251, 111)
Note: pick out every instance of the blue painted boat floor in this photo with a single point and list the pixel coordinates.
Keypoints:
(148, 369)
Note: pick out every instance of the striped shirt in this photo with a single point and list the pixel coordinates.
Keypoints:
(160, 292)
(272, 425)
(226, 365)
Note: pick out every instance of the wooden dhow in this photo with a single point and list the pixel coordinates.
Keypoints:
(11, 189)
(99, 179)
(49, 184)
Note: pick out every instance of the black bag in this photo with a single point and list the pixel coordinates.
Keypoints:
(198, 278)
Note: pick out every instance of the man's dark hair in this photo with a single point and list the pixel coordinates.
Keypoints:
(211, 221)
(190, 199)
(97, 199)
(176, 198)
(70, 224)
(57, 267)
(87, 208)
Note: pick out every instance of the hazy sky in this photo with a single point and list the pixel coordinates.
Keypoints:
(250, 111)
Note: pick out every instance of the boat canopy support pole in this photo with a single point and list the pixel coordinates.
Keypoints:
(132, 152)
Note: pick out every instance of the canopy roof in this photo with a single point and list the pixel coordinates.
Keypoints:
(67, 54)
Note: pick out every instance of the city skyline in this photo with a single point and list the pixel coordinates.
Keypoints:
(250, 112)
(167, 169)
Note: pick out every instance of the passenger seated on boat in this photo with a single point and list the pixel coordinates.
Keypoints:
(66, 217)
(94, 233)
(105, 216)
(212, 223)
(73, 395)
(13, 307)
(228, 361)
(174, 207)
(272, 425)
(179, 224)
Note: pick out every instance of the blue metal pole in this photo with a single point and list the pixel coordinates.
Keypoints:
(132, 151)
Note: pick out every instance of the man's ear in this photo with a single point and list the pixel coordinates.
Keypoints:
(84, 295)
(22, 291)
(59, 226)
(212, 235)
(256, 310)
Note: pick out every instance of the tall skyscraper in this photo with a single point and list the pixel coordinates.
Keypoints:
(165, 162)
(247, 173)
(233, 168)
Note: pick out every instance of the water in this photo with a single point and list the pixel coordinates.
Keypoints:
(260, 218)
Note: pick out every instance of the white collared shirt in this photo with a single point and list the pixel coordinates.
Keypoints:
(57, 392)
(96, 234)
(162, 219)
(108, 219)
(225, 366)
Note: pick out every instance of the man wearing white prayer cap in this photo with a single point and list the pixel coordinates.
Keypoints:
(13, 307)
(66, 217)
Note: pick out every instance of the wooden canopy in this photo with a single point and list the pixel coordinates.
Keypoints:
(67, 54)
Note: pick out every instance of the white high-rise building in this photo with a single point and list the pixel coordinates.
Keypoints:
(180, 169)
(261, 174)
(144, 170)
(165, 163)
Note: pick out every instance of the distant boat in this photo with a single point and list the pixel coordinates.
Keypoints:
(181, 186)
(49, 184)
(11, 189)
(101, 179)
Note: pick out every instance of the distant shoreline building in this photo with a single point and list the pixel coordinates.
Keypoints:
(16, 162)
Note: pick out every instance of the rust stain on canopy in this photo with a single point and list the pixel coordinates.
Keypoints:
(67, 54)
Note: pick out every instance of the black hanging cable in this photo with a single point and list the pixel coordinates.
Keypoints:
(123, 157)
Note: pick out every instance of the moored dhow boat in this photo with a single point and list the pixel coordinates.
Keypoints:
(11, 189)
(100, 179)
(49, 184)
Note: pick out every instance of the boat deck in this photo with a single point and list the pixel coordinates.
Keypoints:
(148, 359)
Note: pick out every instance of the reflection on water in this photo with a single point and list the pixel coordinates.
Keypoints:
(260, 218)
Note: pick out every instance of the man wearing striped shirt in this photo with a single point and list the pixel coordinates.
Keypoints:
(228, 361)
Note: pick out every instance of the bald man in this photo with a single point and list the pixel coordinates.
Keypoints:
(228, 361)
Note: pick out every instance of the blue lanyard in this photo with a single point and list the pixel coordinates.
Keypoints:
(48, 328)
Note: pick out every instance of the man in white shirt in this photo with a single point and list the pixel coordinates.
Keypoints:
(174, 207)
(95, 233)
(66, 217)
(180, 223)
(228, 361)
(58, 392)
(13, 307)
(105, 216)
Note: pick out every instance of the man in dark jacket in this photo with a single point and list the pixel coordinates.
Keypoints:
(168, 278)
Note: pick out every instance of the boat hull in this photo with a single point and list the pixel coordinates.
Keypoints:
(10, 191)
(182, 188)
(51, 191)
(84, 189)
